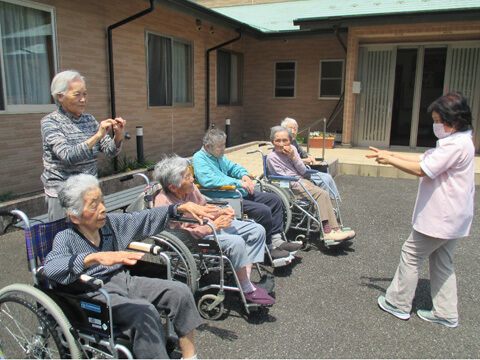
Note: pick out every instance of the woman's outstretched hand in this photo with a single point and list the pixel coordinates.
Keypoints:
(380, 156)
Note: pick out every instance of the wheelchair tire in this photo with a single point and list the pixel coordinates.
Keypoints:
(34, 326)
(287, 212)
(210, 314)
(183, 265)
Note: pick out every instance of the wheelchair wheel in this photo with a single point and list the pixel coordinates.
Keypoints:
(204, 305)
(287, 212)
(33, 326)
(183, 265)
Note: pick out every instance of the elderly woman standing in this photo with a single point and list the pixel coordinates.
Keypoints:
(96, 244)
(242, 241)
(72, 139)
(285, 161)
(443, 212)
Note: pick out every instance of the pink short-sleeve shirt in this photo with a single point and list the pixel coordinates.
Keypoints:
(444, 206)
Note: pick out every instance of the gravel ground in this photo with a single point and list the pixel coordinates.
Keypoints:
(326, 300)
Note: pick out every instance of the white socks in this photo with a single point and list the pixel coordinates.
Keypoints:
(247, 285)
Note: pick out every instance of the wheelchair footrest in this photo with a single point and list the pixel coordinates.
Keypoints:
(282, 261)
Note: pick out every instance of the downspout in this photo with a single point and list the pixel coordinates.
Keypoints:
(207, 105)
(337, 108)
(110, 51)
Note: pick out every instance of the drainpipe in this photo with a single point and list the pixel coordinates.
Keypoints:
(110, 51)
(337, 107)
(110, 63)
(207, 107)
(335, 30)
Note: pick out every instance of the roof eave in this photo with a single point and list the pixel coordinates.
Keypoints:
(388, 19)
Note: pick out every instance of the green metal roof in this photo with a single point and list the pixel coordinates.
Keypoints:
(278, 17)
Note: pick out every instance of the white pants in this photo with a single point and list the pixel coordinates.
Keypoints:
(443, 282)
(55, 210)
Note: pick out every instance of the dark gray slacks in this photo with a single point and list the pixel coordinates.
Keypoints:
(136, 302)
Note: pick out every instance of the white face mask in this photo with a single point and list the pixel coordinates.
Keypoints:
(439, 131)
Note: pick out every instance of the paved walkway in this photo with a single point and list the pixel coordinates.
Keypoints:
(351, 161)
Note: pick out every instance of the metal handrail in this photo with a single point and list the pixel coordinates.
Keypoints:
(309, 126)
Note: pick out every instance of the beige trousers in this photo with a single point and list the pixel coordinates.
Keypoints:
(321, 197)
(443, 282)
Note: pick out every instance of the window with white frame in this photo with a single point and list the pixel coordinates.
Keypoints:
(332, 74)
(229, 78)
(170, 71)
(28, 56)
(285, 75)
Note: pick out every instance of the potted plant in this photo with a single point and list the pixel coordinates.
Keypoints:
(317, 140)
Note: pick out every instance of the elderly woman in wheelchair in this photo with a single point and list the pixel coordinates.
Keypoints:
(285, 161)
(242, 241)
(95, 245)
(321, 179)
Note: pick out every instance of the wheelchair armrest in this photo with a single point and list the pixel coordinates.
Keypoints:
(92, 282)
(194, 221)
(41, 275)
(280, 177)
(217, 202)
(189, 220)
(310, 172)
(144, 247)
(222, 188)
(85, 283)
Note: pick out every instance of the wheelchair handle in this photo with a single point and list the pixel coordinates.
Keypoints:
(131, 176)
(126, 178)
(18, 214)
(255, 151)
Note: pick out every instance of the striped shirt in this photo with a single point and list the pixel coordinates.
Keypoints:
(65, 263)
(65, 148)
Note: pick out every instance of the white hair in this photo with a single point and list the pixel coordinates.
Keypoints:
(60, 83)
(73, 190)
(276, 129)
(213, 137)
(169, 171)
(288, 121)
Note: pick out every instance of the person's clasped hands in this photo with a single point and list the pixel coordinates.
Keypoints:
(118, 125)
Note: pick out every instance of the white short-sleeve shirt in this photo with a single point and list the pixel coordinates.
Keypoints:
(444, 206)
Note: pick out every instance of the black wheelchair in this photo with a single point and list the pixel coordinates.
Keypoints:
(44, 321)
(202, 265)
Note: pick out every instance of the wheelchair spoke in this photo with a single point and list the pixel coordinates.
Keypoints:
(25, 331)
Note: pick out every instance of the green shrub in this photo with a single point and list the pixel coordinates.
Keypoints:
(8, 196)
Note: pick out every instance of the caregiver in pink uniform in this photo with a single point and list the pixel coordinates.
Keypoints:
(443, 212)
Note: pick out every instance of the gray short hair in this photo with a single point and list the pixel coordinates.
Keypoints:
(213, 137)
(73, 190)
(169, 171)
(60, 83)
(288, 121)
(276, 129)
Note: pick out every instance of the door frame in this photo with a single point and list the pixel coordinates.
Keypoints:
(362, 76)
